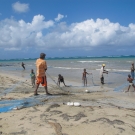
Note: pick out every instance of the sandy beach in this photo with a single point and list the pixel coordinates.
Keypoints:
(67, 67)
(101, 111)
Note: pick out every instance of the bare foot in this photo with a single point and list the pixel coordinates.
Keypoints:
(126, 91)
(48, 93)
(36, 94)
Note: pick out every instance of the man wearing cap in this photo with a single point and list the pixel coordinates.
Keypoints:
(102, 70)
(41, 76)
(132, 70)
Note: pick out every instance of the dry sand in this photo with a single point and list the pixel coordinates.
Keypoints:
(102, 112)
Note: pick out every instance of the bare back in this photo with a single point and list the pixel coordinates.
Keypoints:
(130, 80)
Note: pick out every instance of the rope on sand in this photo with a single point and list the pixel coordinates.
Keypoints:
(56, 83)
(93, 81)
(122, 86)
(8, 105)
(119, 88)
(8, 90)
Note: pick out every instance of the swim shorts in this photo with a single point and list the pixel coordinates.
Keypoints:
(42, 80)
(61, 80)
(130, 84)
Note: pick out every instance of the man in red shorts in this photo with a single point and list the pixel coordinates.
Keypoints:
(41, 76)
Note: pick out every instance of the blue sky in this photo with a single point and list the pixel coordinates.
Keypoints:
(63, 28)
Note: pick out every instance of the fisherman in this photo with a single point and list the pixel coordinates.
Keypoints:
(23, 65)
(84, 77)
(102, 71)
(132, 70)
(41, 76)
(130, 80)
(61, 79)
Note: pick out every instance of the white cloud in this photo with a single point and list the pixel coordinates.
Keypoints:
(46, 34)
(20, 7)
(92, 33)
(19, 33)
(59, 17)
(39, 35)
(12, 49)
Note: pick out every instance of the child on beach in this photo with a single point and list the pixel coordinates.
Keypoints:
(84, 77)
(32, 75)
(61, 79)
(130, 80)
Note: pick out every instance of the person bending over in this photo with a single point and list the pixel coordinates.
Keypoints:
(61, 79)
(23, 65)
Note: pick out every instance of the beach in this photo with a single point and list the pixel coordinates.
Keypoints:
(101, 110)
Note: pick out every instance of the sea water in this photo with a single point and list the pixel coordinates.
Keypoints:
(72, 68)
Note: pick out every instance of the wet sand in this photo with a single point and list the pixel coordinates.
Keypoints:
(101, 112)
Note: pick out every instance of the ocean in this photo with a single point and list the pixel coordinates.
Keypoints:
(72, 68)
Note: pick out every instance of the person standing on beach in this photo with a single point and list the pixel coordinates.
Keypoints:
(32, 75)
(84, 77)
(23, 65)
(41, 66)
(132, 70)
(102, 71)
(130, 80)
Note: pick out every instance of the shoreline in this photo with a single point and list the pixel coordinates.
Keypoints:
(102, 111)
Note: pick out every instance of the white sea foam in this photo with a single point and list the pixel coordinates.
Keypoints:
(116, 70)
(67, 68)
(129, 61)
(119, 70)
(91, 61)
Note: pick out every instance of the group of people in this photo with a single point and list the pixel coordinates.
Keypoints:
(129, 79)
(102, 71)
(40, 78)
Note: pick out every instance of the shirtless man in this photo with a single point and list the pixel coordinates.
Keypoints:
(130, 80)
(84, 77)
(61, 79)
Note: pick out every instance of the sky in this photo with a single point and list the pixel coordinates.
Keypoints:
(66, 28)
